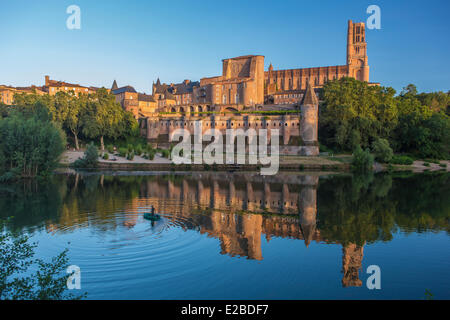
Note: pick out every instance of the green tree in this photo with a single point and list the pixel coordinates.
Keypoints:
(382, 151)
(353, 109)
(90, 158)
(73, 121)
(29, 146)
(105, 117)
(362, 160)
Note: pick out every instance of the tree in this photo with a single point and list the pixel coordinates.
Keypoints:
(382, 150)
(409, 90)
(104, 117)
(29, 146)
(73, 120)
(362, 160)
(352, 110)
(90, 159)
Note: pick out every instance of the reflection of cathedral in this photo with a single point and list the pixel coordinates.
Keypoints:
(352, 256)
(238, 209)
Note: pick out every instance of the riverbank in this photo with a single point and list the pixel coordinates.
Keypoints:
(159, 163)
(338, 163)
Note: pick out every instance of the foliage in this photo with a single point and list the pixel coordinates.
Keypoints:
(138, 150)
(403, 160)
(122, 152)
(104, 117)
(90, 158)
(362, 160)
(29, 146)
(353, 112)
(165, 153)
(382, 151)
(94, 116)
(16, 283)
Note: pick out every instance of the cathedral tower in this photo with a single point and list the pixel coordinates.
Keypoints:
(357, 61)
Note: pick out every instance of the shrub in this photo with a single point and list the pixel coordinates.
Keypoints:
(151, 155)
(138, 150)
(426, 164)
(110, 148)
(443, 165)
(91, 156)
(122, 152)
(106, 156)
(165, 153)
(362, 160)
(130, 156)
(130, 148)
(404, 160)
(382, 151)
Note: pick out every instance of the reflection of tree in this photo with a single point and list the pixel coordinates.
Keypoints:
(31, 202)
(368, 208)
(351, 209)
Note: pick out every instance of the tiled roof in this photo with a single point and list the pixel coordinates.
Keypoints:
(145, 97)
(124, 89)
(53, 83)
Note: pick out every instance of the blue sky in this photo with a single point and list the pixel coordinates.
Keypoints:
(135, 42)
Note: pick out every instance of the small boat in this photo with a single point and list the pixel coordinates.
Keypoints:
(151, 216)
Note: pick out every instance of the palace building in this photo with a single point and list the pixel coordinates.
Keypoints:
(239, 97)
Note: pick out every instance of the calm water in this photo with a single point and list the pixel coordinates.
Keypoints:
(241, 236)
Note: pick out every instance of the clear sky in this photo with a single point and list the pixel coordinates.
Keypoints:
(135, 42)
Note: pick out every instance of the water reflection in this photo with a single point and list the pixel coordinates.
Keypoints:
(239, 209)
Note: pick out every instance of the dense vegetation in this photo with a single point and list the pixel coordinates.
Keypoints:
(29, 146)
(94, 116)
(33, 131)
(354, 113)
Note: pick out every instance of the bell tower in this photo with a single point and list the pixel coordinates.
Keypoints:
(357, 61)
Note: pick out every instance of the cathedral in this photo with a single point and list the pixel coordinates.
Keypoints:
(247, 96)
